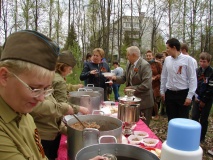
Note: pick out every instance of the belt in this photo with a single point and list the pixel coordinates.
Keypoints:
(178, 91)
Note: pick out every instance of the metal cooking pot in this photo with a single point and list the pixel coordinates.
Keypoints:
(88, 99)
(129, 109)
(99, 89)
(79, 139)
(121, 151)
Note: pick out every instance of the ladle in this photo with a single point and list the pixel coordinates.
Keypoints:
(79, 121)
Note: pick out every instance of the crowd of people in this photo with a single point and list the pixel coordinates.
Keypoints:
(34, 91)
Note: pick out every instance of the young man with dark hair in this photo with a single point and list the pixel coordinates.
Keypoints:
(178, 81)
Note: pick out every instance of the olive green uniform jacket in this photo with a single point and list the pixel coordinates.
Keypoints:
(48, 116)
(61, 89)
(18, 138)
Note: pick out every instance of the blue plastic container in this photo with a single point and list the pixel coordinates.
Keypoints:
(183, 134)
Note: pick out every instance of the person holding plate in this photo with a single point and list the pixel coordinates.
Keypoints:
(92, 71)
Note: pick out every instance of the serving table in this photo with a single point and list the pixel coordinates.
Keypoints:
(140, 126)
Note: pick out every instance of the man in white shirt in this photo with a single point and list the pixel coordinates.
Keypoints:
(178, 81)
(184, 49)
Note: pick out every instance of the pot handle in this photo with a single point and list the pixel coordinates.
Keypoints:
(99, 111)
(90, 136)
(89, 90)
(82, 89)
(107, 136)
(90, 85)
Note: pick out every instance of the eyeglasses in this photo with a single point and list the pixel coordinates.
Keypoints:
(36, 92)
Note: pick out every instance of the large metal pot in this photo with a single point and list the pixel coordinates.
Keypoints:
(99, 89)
(79, 139)
(121, 151)
(88, 99)
(129, 109)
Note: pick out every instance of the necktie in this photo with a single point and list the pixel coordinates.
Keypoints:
(131, 70)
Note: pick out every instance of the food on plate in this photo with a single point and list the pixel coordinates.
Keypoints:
(114, 110)
(141, 134)
(150, 142)
(109, 108)
(135, 139)
(79, 127)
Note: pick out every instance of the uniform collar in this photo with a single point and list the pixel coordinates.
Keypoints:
(7, 113)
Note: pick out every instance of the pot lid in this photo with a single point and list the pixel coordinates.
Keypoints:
(129, 99)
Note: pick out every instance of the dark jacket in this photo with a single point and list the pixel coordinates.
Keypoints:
(204, 84)
(98, 80)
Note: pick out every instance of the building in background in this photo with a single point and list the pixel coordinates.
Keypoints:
(130, 32)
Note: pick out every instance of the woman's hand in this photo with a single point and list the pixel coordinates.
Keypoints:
(83, 110)
(94, 71)
(80, 85)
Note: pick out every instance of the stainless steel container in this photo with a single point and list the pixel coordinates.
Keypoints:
(88, 99)
(79, 139)
(121, 151)
(129, 109)
(98, 89)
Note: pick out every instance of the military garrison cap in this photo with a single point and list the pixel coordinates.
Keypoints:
(67, 58)
(33, 47)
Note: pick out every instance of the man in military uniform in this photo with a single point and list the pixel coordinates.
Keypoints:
(27, 69)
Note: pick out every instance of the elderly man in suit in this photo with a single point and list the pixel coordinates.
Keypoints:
(138, 76)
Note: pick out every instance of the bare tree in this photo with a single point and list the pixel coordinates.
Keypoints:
(120, 27)
(4, 17)
(58, 21)
(0, 8)
(50, 16)
(27, 5)
(170, 18)
(109, 11)
(16, 15)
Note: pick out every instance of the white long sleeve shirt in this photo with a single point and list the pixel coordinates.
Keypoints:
(179, 74)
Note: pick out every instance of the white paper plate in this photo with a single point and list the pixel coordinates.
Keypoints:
(108, 74)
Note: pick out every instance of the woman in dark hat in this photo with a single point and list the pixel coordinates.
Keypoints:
(26, 72)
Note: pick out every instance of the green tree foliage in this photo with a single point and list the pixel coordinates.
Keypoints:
(72, 44)
(160, 44)
(71, 38)
(127, 40)
(123, 51)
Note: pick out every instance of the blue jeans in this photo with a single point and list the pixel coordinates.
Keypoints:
(116, 91)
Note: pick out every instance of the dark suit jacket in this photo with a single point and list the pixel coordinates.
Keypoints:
(141, 82)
